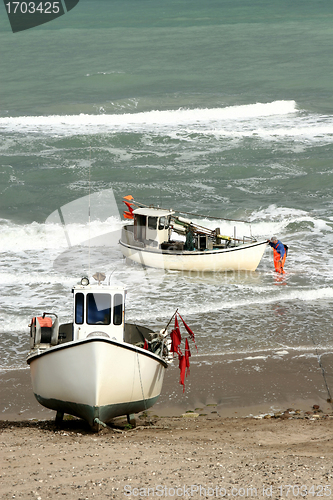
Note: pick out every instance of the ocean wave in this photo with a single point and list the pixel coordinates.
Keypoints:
(274, 121)
(17, 238)
(192, 309)
(265, 222)
(69, 125)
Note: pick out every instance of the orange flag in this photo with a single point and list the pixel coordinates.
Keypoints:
(128, 215)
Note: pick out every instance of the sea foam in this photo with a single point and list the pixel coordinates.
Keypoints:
(274, 121)
(93, 124)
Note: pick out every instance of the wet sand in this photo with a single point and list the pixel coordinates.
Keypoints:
(237, 385)
(187, 446)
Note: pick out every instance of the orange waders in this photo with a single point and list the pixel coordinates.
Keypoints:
(277, 264)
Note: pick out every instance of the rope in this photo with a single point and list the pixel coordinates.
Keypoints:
(329, 399)
(99, 422)
(142, 392)
(190, 213)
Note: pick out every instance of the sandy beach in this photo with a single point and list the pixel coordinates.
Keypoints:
(219, 112)
(257, 427)
(289, 456)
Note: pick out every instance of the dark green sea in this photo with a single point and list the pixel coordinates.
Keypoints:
(221, 108)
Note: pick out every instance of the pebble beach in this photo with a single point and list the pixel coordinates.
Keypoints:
(222, 110)
(189, 456)
(186, 446)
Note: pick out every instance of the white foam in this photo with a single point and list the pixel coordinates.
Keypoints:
(42, 236)
(37, 236)
(263, 223)
(275, 121)
(275, 220)
(150, 120)
(281, 295)
(250, 358)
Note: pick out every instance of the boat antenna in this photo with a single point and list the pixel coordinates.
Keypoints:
(109, 282)
(89, 208)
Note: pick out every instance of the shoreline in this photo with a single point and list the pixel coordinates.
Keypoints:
(232, 385)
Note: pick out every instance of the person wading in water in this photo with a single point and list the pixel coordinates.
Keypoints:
(279, 253)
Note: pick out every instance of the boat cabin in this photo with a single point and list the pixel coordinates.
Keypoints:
(98, 309)
(152, 225)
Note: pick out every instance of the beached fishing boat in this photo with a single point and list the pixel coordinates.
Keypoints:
(165, 239)
(97, 367)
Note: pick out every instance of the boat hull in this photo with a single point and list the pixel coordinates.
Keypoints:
(96, 379)
(245, 257)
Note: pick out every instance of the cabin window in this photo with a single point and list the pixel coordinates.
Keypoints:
(152, 222)
(162, 223)
(98, 308)
(117, 309)
(79, 308)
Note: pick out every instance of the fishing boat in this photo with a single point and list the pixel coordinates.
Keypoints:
(164, 239)
(96, 367)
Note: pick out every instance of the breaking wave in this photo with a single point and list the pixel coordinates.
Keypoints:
(151, 120)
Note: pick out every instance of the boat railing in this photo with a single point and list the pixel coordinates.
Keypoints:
(134, 333)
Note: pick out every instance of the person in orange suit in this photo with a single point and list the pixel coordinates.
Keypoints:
(279, 253)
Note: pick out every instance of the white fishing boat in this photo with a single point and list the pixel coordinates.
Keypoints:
(164, 239)
(97, 367)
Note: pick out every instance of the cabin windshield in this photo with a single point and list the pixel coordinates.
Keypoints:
(98, 308)
(163, 223)
(79, 308)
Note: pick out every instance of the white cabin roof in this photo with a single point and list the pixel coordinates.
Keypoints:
(153, 212)
(95, 288)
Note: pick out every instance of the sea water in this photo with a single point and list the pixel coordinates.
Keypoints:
(222, 109)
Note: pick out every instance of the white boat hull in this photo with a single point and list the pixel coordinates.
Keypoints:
(245, 257)
(96, 378)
